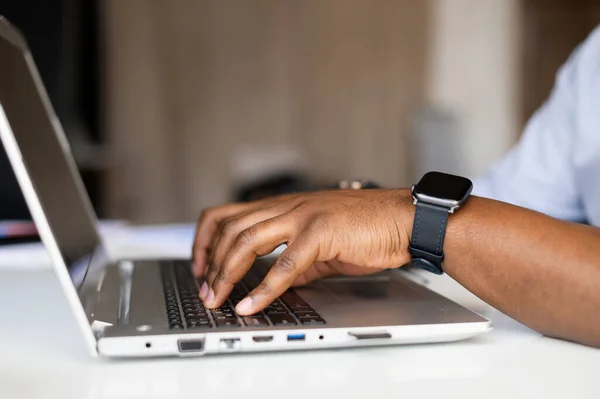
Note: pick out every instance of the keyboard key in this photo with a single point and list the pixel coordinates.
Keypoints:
(193, 309)
(253, 321)
(292, 299)
(181, 299)
(306, 312)
(197, 319)
(309, 317)
(274, 312)
(198, 324)
(192, 305)
(222, 309)
(229, 316)
(282, 319)
(195, 313)
(311, 322)
(228, 323)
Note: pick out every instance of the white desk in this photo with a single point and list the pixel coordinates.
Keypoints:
(42, 356)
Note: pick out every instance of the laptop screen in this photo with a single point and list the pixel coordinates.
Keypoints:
(45, 152)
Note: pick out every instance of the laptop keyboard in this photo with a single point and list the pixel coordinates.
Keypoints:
(186, 311)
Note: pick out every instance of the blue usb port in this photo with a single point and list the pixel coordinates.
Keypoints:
(296, 337)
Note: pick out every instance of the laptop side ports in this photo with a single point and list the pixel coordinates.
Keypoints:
(230, 344)
(190, 345)
(296, 337)
(262, 338)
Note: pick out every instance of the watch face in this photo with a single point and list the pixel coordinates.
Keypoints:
(444, 186)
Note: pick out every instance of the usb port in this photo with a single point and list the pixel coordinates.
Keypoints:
(264, 338)
(230, 344)
(296, 337)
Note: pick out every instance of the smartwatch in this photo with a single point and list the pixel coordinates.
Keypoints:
(436, 196)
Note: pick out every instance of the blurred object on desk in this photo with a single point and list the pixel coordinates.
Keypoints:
(17, 232)
(264, 171)
(115, 234)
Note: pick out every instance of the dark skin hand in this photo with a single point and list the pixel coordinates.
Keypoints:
(541, 271)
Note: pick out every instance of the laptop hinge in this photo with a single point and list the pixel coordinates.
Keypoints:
(98, 327)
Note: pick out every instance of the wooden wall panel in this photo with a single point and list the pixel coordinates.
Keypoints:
(189, 82)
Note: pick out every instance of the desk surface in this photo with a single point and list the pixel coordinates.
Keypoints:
(42, 355)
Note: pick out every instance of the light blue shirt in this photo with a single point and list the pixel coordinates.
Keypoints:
(555, 167)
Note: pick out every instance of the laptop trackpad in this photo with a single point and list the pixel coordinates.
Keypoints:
(359, 289)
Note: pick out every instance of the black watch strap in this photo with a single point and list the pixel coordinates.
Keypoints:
(429, 231)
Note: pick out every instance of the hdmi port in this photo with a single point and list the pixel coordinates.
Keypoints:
(264, 338)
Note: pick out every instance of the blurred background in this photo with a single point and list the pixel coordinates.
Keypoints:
(172, 106)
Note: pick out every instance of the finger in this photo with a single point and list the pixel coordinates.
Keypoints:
(229, 229)
(210, 269)
(255, 241)
(298, 257)
(222, 241)
(232, 227)
(205, 229)
(221, 223)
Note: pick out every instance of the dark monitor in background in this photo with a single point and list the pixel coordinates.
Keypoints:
(12, 203)
(62, 36)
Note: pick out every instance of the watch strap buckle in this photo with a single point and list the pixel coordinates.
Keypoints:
(426, 260)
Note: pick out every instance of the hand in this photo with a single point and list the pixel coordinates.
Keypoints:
(353, 232)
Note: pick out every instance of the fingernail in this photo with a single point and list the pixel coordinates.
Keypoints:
(209, 298)
(203, 290)
(244, 306)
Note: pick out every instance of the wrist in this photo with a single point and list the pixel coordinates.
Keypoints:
(404, 218)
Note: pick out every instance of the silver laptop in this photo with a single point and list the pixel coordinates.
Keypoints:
(137, 308)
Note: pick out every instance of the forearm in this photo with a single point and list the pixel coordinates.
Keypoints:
(541, 271)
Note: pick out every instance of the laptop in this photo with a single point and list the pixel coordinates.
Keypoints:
(150, 307)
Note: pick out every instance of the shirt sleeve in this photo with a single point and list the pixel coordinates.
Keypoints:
(539, 172)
